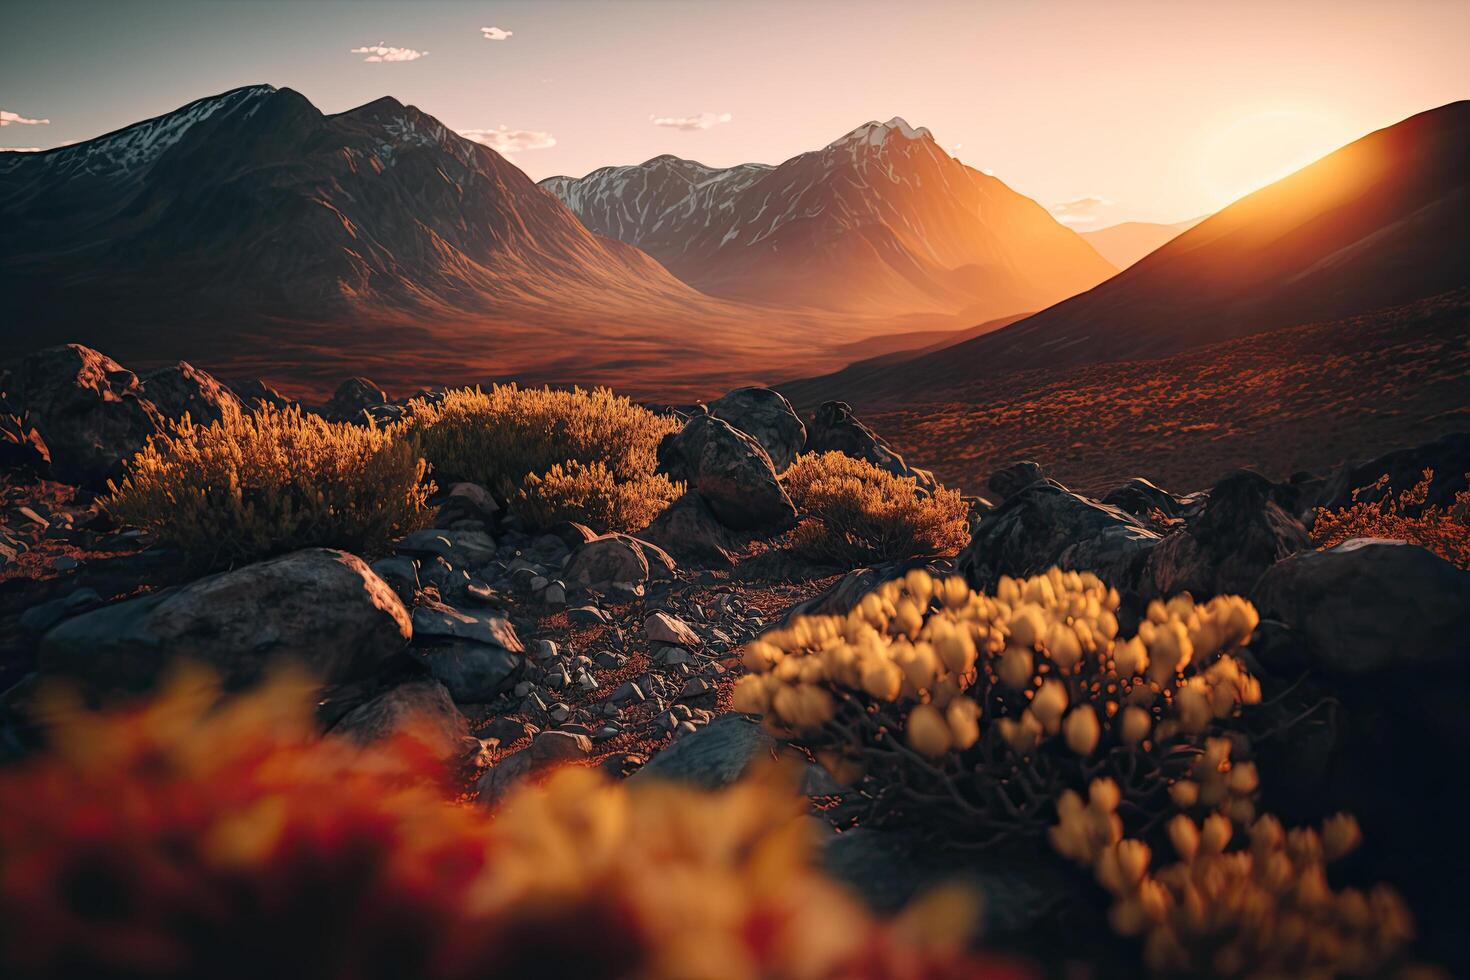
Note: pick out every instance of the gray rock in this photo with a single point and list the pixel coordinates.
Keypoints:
(766, 415)
(352, 398)
(422, 709)
(604, 560)
(1370, 606)
(663, 628)
(90, 410)
(39, 619)
(689, 530)
(183, 389)
(555, 595)
(435, 619)
(472, 672)
(716, 755)
(461, 549)
(320, 607)
(402, 575)
(1008, 480)
(731, 471)
(1239, 534)
(836, 429)
(1045, 524)
(586, 616)
(467, 502)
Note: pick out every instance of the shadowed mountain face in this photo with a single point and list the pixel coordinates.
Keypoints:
(882, 220)
(1379, 223)
(254, 201)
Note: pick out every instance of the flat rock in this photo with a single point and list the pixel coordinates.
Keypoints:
(461, 549)
(663, 628)
(472, 672)
(435, 619)
(713, 756)
(322, 608)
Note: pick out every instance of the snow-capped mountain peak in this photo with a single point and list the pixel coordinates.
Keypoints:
(874, 133)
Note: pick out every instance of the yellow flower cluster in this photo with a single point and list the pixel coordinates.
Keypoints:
(1263, 910)
(1042, 657)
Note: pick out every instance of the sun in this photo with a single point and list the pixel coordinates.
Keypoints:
(1262, 147)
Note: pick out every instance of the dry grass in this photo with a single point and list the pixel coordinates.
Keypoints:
(855, 513)
(1443, 530)
(253, 485)
(1305, 398)
(593, 495)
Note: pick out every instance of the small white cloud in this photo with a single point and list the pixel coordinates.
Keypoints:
(16, 119)
(383, 52)
(1079, 211)
(495, 33)
(505, 141)
(705, 120)
(20, 149)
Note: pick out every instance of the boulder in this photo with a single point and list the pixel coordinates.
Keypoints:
(89, 410)
(255, 392)
(1241, 532)
(461, 549)
(467, 502)
(610, 559)
(183, 390)
(1008, 480)
(434, 621)
(689, 531)
(421, 709)
(841, 597)
(321, 608)
(836, 429)
(352, 398)
(1370, 605)
(402, 575)
(766, 415)
(472, 672)
(1046, 524)
(548, 748)
(1141, 498)
(731, 471)
(22, 447)
(713, 756)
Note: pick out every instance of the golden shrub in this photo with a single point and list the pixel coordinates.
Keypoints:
(1443, 530)
(856, 512)
(591, 494)
(509, 439)
(188, 836)
(1264, 909)
(256, 484)
(970, 714)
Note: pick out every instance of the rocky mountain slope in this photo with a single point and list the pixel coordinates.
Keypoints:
(881, 219)
(266, 238)
(1381, 222)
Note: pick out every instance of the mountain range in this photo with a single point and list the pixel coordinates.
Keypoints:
(880, 220)
(1124, 244)
(1382, 222)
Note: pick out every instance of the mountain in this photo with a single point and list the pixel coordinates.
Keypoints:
(253, 234)
(1379, 223)
(879, 220)
(1124, 244)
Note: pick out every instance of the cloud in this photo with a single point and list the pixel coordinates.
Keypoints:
(506, 141)
(382, 52)
(495, 33)
(16, 119)
(1079, 211)
(20, 149)
(705, 120)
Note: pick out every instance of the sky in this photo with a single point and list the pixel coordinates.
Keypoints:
(1104, 112)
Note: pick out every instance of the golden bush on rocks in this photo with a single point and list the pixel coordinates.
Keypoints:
(591, 494)
(256, 484)
(1443, 530)
(970, 714)
(857, 512)
(1263, 909)
(603, 446)
(191, 836)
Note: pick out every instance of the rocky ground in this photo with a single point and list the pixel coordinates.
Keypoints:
(516, 650)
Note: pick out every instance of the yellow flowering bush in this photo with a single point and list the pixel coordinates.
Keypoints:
(1262, 909)
(191, 835)
(856, 512)
(255, 484)
(509, 439)
(591, 494)
(970, 714)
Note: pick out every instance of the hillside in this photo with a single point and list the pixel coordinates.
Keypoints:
(1124, 244)
(880, 220)
(1381, 222)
